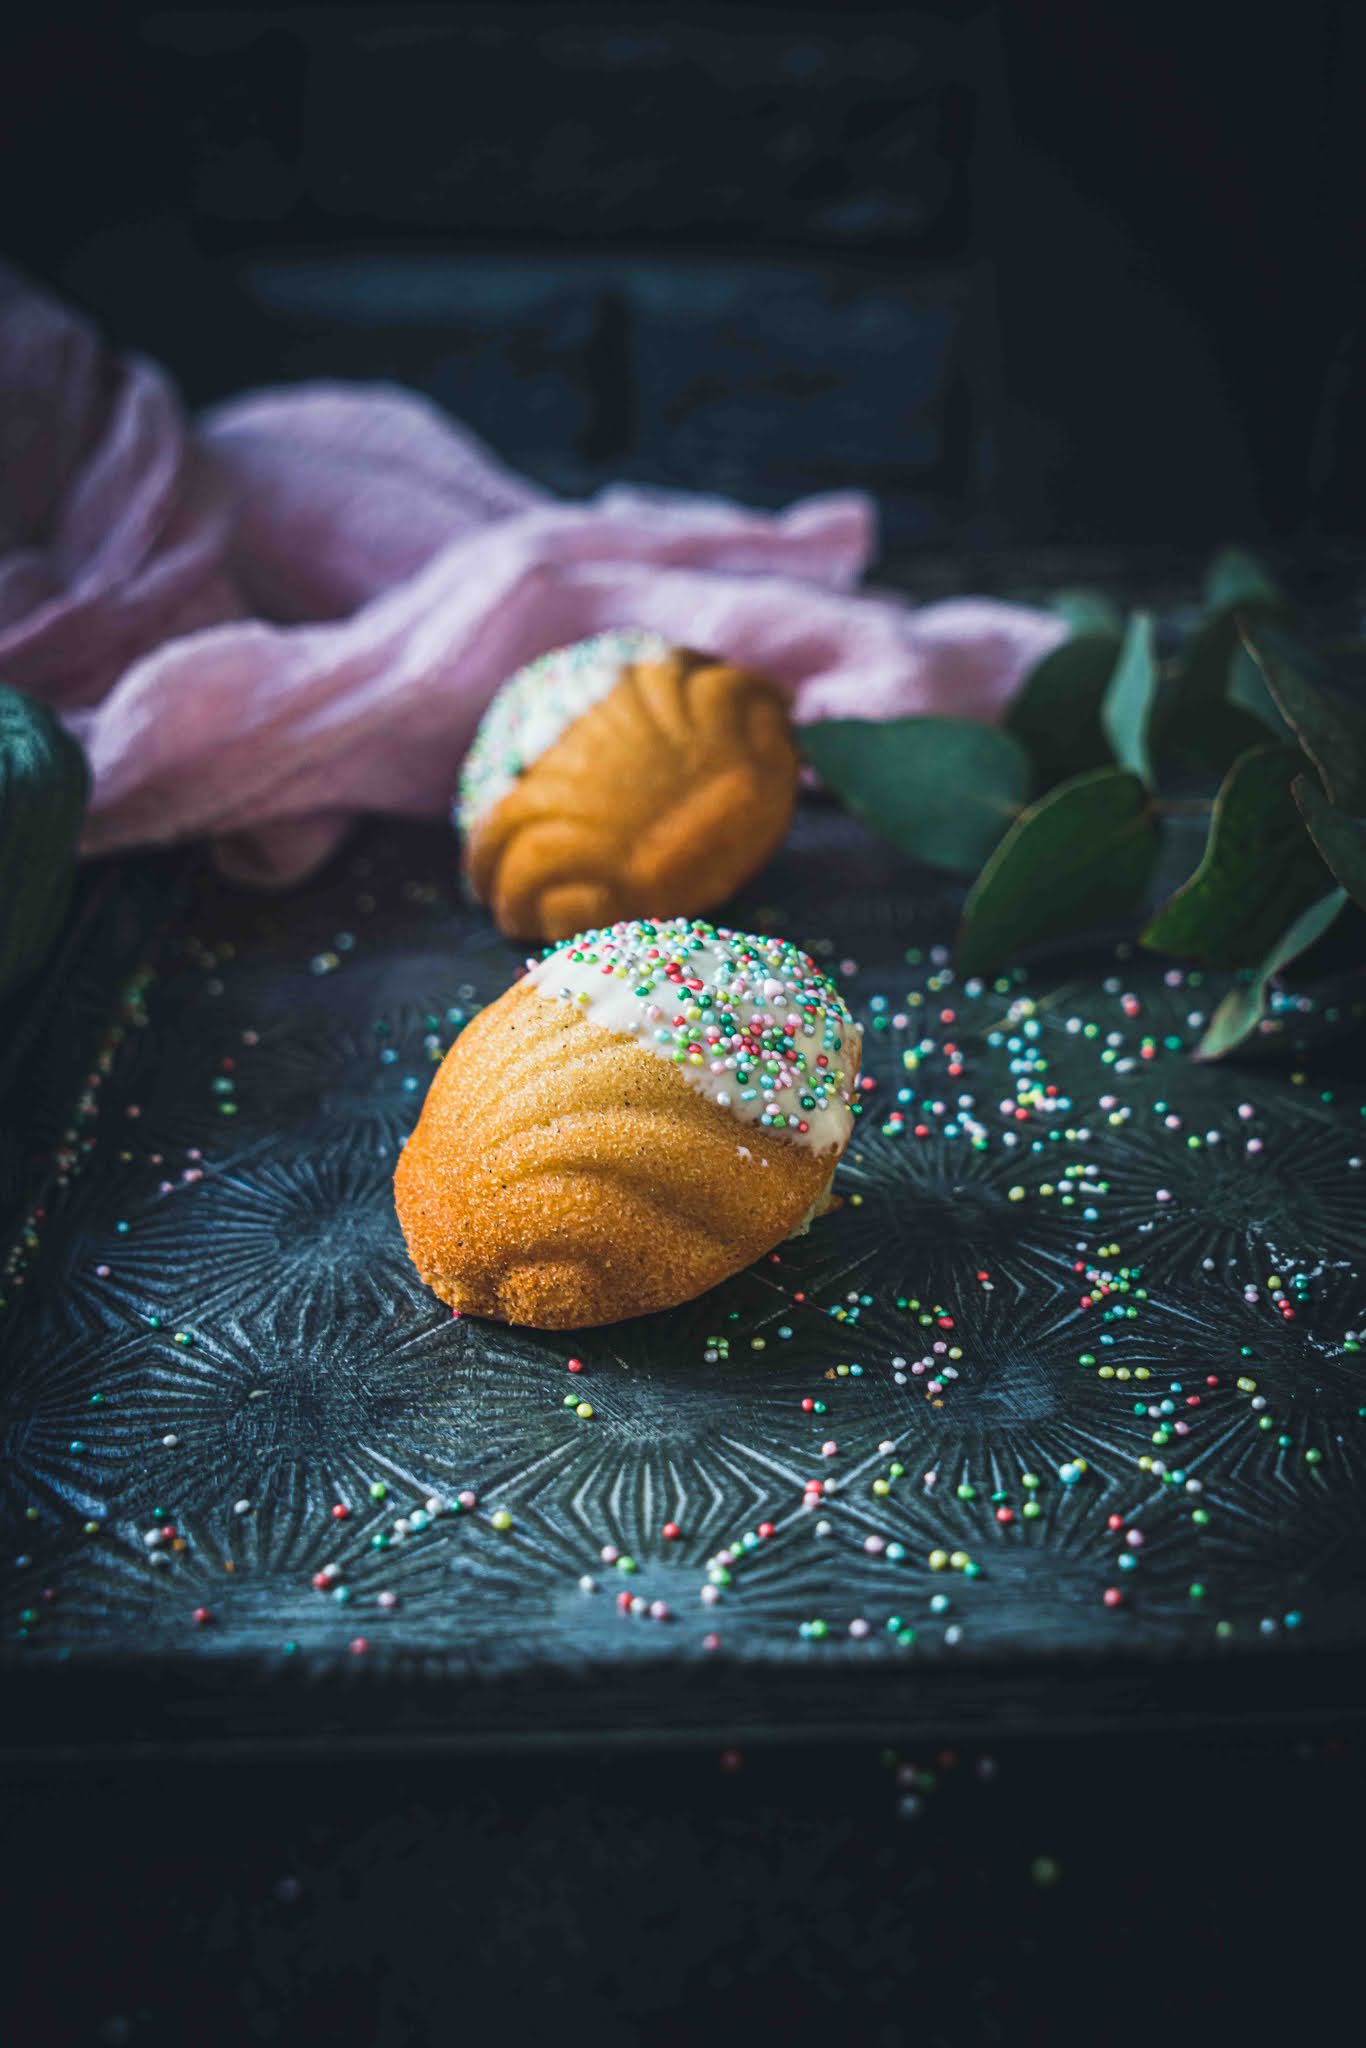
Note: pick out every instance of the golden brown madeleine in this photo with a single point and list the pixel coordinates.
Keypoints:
(646, 1113)
(623, 775)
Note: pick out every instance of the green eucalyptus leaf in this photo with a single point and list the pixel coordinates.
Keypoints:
(1055, 714)
(1242, 1009)
(1088, 611)
(44, 783)
(1330, 726)
(1198, 727)
(1248, 693)
(1259, 871)
(1207, 719)
(1126, 714)
(942, 789)
(1080, 857)
(1236, 579)
(1208, 734)
(1340, 839)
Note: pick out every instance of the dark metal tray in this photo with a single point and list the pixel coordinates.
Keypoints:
(211, 1328)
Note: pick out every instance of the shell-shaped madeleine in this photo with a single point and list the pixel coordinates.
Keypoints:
(562, 1175)
(665, 795)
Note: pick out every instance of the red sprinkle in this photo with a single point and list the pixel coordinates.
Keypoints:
(576, 1365)
(671, 1532)
(201, 1615)
(1112, 1596)
(340, 1511)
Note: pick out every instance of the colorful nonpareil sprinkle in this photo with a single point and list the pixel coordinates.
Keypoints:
(751, 1022)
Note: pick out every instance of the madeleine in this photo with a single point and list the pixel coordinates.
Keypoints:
(652, 1108)
(622, 776)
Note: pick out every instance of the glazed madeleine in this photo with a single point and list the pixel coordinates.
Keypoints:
(622, 775)
(653, 1107)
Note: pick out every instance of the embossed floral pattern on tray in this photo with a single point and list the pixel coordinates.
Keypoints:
(1078, 1364)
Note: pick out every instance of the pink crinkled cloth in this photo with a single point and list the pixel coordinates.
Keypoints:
(297, 608)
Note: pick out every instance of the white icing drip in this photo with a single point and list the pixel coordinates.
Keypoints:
(538, 704)
(800, 1085)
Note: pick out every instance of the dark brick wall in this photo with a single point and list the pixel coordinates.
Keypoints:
(764, 378)
(758, 249)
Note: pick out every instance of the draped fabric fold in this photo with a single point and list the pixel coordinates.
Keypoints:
(294, 610)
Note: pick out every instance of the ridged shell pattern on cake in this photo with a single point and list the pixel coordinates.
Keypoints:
(539, 703)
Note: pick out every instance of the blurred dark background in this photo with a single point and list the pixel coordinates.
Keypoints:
(1042, 274)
